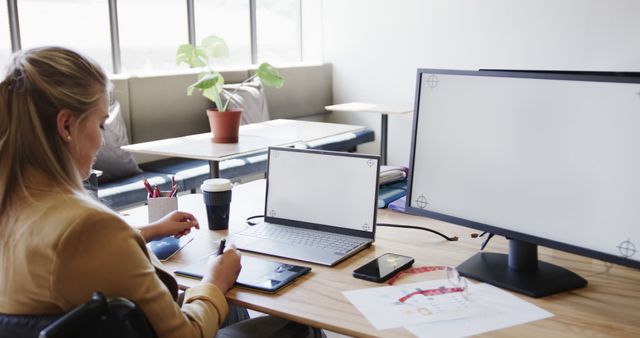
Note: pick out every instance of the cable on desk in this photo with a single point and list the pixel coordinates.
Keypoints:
(252, 223)
(451, 239)
(486, 240)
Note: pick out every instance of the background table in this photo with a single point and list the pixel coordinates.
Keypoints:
(253, 138)
(608, 306)
(385, 110)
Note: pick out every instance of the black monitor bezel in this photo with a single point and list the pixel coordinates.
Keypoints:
(568, 71)
(544, 75)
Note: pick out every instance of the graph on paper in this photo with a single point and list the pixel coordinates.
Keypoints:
(381, 306)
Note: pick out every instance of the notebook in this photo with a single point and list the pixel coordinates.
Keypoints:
(166, 247)
(256, 274)
(320, 206)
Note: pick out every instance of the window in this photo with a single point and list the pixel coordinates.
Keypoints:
(79, 24)
(150, 33)
(151, 30)
(228, 19)
(5, 37)
(278, 27)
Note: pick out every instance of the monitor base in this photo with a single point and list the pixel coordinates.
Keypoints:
(547, 279)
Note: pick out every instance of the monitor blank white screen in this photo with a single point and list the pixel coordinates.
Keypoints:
(555, 159)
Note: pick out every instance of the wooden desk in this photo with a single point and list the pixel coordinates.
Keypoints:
(385, 110)
(254, 138)
(608, 306)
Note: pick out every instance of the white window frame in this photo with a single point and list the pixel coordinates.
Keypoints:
(14, 28)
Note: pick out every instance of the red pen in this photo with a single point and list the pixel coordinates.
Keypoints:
(147, 186)
(174, 187)
(156, 192)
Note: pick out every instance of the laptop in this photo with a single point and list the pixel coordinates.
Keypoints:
(320, 206)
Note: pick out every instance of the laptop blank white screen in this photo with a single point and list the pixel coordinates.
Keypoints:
(322, 188)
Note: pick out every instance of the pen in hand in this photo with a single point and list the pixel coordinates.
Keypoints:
(221, 247)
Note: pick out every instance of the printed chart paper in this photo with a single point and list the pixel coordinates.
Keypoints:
(383, 310)
(484, 308)
(508, 310)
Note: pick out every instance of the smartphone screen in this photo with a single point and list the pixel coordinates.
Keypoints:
(383, 267)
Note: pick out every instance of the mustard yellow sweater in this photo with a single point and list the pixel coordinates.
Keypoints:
(64, 247)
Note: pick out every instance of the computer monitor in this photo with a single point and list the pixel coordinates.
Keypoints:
(542, 158)
(567, 71)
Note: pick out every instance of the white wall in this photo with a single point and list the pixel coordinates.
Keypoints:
(376, 46)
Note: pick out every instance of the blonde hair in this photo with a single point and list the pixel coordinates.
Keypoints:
(39, 83)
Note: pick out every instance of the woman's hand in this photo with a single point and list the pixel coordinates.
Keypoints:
(223, 270)
(176, 223)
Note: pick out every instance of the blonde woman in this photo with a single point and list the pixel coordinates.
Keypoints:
(57, 244)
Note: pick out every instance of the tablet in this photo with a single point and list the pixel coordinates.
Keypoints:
(256, 274)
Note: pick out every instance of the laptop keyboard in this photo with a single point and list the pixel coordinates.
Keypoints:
(303, 237)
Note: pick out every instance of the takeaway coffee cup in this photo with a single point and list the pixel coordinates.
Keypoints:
(217, 198)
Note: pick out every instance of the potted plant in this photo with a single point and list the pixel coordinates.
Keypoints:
(224, 122)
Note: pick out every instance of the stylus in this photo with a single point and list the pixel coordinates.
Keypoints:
(221, 247)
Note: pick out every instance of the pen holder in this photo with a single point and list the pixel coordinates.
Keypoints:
(158, 207)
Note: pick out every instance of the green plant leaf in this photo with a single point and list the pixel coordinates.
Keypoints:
(190, 55)
(214, 47)
(211, 84)
(209, 80)
(213, 94)
(269, 75)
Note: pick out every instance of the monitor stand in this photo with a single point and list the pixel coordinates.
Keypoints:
(521, 271)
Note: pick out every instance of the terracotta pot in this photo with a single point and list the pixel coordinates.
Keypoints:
(224, 125)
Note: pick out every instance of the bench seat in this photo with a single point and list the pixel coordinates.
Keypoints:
(130, 190)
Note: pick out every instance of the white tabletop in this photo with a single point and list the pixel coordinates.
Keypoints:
(200, 146)
(304, 131)
(370, 108)
(253, 138)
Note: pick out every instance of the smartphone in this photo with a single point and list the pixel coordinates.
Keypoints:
(382, 268)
